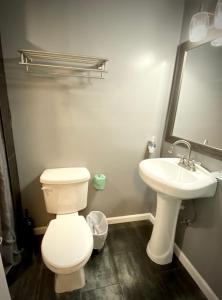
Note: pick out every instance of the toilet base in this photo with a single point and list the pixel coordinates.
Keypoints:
(69, 282)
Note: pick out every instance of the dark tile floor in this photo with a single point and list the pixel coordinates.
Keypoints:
(121, 270)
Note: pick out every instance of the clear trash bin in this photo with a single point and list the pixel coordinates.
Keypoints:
(99, 226)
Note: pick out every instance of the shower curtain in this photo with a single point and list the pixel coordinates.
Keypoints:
(8, 246)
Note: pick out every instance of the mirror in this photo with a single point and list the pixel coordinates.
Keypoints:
(195, 110)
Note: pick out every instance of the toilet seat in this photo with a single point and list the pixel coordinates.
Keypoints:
(67, 244)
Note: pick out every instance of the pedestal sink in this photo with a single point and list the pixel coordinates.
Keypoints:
(173, 184)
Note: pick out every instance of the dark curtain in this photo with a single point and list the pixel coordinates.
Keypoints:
(9, 250)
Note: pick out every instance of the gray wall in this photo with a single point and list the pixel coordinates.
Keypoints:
(202, 242)
(103, 125)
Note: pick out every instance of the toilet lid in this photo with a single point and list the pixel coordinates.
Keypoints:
(64, 176)
(67, 242)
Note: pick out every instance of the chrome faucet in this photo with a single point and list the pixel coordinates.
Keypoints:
(185, 143)
(184, 162)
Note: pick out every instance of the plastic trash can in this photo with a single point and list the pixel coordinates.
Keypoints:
(99, 226)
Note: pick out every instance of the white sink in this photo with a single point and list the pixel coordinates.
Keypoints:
(164, 175)
(173, 184)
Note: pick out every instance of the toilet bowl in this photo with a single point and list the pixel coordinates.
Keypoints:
(68, 242)
(66, 247)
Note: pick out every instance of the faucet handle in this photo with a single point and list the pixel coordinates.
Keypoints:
(196, 162)
(181, 157)
(192, 164)
(170, 151)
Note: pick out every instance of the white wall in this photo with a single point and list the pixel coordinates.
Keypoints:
(3, 283)
(103, 125)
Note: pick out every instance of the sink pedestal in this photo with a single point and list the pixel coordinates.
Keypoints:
(161, 243)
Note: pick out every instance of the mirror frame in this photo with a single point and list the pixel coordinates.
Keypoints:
(182, 50)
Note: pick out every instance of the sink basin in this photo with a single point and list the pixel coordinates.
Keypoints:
(164, 175)
(173, 184)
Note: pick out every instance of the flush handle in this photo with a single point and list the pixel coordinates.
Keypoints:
(45, 188)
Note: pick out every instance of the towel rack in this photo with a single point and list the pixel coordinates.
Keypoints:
(70, 65)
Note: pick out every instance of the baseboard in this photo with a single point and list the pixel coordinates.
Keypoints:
(40, 230)
(131, 218)
(203, 285)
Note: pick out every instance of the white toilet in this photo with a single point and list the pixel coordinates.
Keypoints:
(68, 242)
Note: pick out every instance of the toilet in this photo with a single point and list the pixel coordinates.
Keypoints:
(68, 242)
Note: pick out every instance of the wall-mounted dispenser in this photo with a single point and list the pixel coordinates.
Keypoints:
(152, 145)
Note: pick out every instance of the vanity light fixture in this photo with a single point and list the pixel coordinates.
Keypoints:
(200, 23)
(199, 26)
(218, 15)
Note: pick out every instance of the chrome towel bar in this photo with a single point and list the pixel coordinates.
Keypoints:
(74, 65)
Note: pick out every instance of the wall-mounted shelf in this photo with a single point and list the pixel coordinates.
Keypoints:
(63, 64)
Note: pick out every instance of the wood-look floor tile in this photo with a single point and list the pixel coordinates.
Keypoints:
(177, 284)
(136, 280)
(127, 237)
(100, 270)
(26, 287)
(138, 234)
(46, 287)
(113, 292)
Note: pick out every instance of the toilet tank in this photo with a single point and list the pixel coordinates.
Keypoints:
(65, 189)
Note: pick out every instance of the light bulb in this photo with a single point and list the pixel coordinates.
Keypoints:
(199, 26)
(218, 15)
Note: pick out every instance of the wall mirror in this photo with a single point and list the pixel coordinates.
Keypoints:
(195, 108)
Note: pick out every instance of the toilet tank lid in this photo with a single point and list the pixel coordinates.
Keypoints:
(64, 175)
